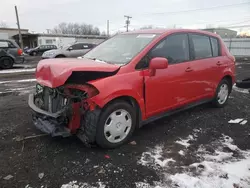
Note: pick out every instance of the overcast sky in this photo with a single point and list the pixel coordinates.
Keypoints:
(39, 15)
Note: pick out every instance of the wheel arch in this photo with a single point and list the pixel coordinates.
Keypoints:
(60, 55)
(133, 102)
(229, 79)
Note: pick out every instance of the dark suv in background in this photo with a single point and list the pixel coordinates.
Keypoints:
(10, 53)
(39, 50)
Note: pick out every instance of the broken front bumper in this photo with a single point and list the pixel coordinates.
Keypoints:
(47, 122)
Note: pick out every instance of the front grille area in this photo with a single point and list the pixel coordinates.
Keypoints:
(56, 99)
(50, 99)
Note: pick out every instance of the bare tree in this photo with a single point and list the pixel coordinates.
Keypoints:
(3, 24)
(75, 28)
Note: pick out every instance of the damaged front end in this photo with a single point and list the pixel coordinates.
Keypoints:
(62, 111)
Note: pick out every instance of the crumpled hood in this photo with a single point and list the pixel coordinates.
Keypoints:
(55, 72)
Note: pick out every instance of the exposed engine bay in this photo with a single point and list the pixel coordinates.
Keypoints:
(59, 111)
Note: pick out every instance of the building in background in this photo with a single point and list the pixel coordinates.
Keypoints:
(223, 32)
(8, 33)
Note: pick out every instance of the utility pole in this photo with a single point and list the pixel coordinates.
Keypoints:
(127, 21)
(19, 30)
(108, 28)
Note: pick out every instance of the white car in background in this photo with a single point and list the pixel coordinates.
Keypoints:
(74, 50)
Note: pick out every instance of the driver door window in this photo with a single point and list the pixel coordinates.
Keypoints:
(175, 48)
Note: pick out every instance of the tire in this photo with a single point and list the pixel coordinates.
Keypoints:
(34, 53)
(60, 56)
(245, 84)
(6, 62)
(220, 101)
(125, 116)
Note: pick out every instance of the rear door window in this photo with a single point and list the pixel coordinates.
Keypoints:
(215, 46)
(175, 48)
(78, 46)
(202, 46)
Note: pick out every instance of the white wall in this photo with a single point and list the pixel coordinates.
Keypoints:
(4, 36)
(58, 41)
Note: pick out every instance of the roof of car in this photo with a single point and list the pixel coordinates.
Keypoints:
(162, 31)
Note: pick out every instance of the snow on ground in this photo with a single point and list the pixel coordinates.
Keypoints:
(17, 81)
(17, 71)
(226, 166)
(154, 158)
(185, 142)
(246, 91)
(74, 184)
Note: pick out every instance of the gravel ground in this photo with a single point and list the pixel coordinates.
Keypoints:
(161, 152)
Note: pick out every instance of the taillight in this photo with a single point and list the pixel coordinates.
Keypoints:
(19, 51)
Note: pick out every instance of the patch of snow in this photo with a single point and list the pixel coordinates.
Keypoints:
(218, 175)
(235, 120)
(8, 177)
(215, 168)
(218, 170)
(220, 156)
(17, 71)
(154, 158)
(181, 152)
(147, 185)
(246, 91)
(74, 184)
(183, 142)
(17, 81)
(243, 122)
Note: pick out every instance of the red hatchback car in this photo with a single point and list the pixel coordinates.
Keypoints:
(129, 80)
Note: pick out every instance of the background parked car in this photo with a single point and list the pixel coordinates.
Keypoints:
(10, 53)
(75, 50)
(40, 49)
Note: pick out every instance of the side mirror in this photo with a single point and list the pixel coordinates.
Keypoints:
(70, 48)
(158, 63)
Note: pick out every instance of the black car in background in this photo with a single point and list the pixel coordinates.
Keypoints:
(10, 53)
(39, 50)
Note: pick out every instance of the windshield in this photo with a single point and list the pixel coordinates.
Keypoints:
(120, 49)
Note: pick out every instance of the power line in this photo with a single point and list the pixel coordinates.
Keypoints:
(200, 9)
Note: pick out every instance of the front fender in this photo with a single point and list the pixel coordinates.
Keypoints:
(124, 85)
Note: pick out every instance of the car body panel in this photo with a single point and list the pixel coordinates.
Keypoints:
(54, 73)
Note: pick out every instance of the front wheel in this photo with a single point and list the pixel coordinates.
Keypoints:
(116, 125)
(222, 94)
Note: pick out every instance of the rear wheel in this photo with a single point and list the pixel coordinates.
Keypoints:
(222, 93)
(116, 125)
(6, 62)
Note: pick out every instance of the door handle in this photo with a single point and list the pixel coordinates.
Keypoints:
(218, 63)
(189, 69)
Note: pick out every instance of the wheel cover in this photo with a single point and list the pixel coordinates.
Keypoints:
(6, 63)
(223, 94)
(117, 126)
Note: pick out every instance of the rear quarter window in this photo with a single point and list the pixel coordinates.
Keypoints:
(202, 46)
(215, 46)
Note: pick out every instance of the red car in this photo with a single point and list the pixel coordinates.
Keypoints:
(129, 80)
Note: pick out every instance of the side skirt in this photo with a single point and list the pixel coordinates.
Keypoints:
(171, 112)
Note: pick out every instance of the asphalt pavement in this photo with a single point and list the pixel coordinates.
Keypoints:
(156, 155)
